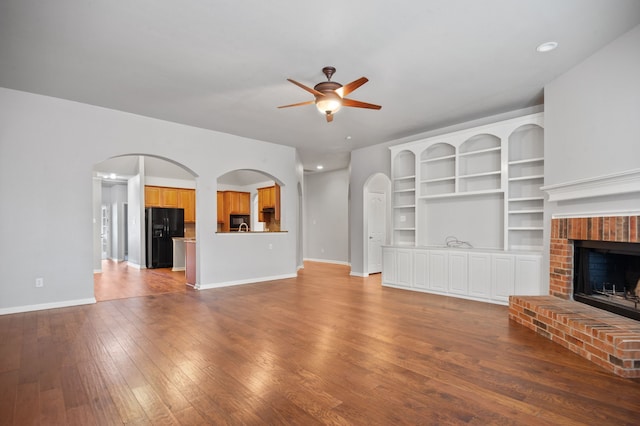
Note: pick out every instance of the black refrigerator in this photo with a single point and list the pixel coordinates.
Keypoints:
(162, 225)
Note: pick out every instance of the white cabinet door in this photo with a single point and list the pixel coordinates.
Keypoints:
(404, 267)
(458, 281)
(389, 265)
(528, 275)
(438, 271)
(480, 275)
(503, 277)
(421, 266)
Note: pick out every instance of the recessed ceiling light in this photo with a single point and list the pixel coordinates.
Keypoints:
(547, 47)
(319, 167)
(348, 138)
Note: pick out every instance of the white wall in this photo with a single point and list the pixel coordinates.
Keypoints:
(592, 129)
(592, 114)
(135, 222)
(48, 148)
(326, 235)
(96, 222)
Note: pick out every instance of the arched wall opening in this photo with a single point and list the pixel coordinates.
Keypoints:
(119, 203)
(252, 197)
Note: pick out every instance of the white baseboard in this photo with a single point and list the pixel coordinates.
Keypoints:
(135, 265)
(334, 262)
(43, 306)
(178, 268)
(359, 274)
(241, 282)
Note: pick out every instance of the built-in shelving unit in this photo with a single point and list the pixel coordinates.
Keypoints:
(404, 199)
(525, 206)
(482, 186)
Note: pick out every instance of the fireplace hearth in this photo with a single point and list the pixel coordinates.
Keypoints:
(607, 275)
(605, 338)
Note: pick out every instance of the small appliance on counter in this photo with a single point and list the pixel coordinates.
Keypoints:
(235, 220)
(162, 225)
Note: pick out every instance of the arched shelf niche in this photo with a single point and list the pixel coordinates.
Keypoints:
(438, 169)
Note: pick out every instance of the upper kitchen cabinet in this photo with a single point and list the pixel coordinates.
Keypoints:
(187, 201)
(184, 198)
(269, 203)
(152, 196)
(236, 202)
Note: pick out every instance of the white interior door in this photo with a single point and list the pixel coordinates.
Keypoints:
(377, 207)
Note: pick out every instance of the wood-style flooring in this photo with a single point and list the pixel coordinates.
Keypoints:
(323, 348)
(118, 280)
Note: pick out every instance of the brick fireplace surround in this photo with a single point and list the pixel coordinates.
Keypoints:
(607, 339)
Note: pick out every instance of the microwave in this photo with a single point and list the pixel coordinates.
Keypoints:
(235, 220)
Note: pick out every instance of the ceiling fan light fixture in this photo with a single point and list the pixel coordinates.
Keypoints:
(329, 104)
(329, 95)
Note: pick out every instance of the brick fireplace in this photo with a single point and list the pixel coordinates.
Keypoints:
(614, 228)
(607, 339)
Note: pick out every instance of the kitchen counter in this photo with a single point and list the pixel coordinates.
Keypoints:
(190, 261)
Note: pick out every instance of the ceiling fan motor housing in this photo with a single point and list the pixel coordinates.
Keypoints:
(327, 86)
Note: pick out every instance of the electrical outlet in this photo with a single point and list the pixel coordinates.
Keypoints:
(403, 218)
(39, 282)
(270, 246)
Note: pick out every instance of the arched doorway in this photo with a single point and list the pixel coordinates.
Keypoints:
(375, 219)
(119, 193)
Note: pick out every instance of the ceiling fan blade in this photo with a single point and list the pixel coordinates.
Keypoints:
(298, 104)
(357, 104)
(329, 118)
(308, 89)
(348, 88)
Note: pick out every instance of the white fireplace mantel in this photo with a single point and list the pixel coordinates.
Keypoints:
(616, 183)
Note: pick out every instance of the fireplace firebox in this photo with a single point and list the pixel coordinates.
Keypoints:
(607, 275)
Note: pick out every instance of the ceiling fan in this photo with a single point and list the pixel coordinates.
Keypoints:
(330, 95)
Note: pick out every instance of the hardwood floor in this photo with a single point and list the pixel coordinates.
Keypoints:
(323, 348)
(118, 280)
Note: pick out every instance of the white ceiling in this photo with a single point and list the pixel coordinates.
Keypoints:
(223, 65)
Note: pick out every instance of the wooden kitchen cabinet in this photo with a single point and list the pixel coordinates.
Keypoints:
(269, 198)
(169, 197)
(232, 203)
(152, 196)
(221, 216)
(236, 202)
(187, 201)
(161, 196)
(244, 203)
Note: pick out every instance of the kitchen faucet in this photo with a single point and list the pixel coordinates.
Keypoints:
(245, 225)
